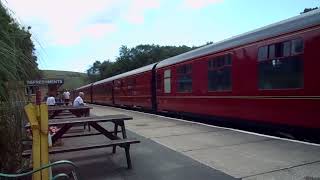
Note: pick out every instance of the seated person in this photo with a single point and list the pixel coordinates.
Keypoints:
(51, 101)
(79, 101)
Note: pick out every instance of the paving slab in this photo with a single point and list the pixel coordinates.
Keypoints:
(305, 172)
(177, 130)
(152, 125)
(190, 142)
(100, 111)
(255, 158)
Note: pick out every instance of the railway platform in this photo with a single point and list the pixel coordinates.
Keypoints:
(178, 149)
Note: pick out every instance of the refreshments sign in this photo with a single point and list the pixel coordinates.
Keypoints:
(45, 81)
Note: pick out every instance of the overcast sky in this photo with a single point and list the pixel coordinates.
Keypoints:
(72, 34)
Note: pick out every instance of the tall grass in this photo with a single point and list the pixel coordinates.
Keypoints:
(17, 64)
(11, 116)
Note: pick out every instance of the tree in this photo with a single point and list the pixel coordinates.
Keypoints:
(132, 58)
(308, 9)
(106, 69)
(94, 71)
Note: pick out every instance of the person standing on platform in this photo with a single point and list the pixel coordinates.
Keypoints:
(66, 96)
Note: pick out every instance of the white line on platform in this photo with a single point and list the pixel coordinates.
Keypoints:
(237, 130)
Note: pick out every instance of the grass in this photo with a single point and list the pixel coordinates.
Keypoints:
(72, 80)
(12, 119)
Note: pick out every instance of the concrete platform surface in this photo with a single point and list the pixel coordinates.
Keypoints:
(150, 160)
(238, 154)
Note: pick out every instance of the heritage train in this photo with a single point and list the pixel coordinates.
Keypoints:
(267, 76)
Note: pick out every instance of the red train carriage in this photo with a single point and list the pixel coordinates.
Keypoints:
(266, 76)
(102, 92)
(133, 88)
(87, 90)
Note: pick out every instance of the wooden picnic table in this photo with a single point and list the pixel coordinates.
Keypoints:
(77, 111)
(93, 121)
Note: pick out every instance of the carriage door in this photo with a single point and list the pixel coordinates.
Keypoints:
(167, 81)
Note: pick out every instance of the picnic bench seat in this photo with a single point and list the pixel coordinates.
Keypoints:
(93, 121)
(124, 143)
(84, 133)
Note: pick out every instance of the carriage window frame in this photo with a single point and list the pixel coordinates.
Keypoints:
(263, 53)
(167, 80)
(221, 64)
(184, 77)
(279, 50)
(285, 59)
(294, 42)
(286, 52)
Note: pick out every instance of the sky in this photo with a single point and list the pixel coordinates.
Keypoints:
(72, 34)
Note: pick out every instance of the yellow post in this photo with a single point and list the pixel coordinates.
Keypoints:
(31, 112)
(44, 140)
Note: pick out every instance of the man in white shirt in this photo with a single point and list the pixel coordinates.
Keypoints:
(51, 101)
(66, 96)
(79, 101)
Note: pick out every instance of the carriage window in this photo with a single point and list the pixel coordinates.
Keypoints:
(281, 73)
(184, 78)
(279, 50)
(219, 73)
(167, 81)
(286, 48)
(263, 53)
(297, 46)
(272, 51)
(284, 68)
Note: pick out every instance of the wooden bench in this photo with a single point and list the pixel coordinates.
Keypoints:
(114, 140)
(123, 143)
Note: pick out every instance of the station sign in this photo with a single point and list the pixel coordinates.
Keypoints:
(45, 81)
